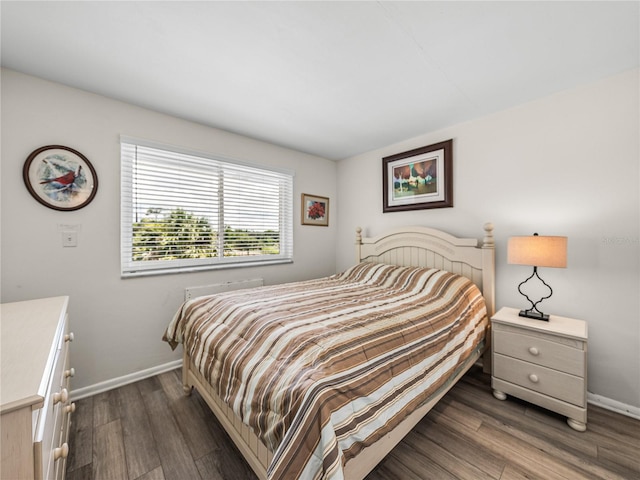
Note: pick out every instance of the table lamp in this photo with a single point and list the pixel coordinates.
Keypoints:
(537, 251)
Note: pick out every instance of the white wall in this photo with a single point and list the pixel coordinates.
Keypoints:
(119, 323)
(567, 165)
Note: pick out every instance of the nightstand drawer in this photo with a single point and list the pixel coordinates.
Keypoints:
(568, 388)
(540, 350)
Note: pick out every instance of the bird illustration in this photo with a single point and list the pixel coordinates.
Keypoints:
(64, 181)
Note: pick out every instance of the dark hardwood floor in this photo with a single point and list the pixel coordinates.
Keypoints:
(149, 430)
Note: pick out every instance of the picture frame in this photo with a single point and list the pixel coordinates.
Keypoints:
(315, 210)
(418, 179)
(60, 178)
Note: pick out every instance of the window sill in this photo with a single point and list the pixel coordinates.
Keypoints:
(193, 269)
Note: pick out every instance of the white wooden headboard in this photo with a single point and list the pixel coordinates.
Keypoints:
(428, 247)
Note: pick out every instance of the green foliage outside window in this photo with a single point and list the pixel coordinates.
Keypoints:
(182, 235)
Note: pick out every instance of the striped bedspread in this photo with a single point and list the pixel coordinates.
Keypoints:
(323, 368)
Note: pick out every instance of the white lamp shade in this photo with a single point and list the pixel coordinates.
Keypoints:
(538, 251)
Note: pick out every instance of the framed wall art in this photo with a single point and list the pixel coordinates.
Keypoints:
(418, 179)
(60, 177)
(315, 210)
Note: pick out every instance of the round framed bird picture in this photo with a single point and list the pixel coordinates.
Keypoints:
(60, 177)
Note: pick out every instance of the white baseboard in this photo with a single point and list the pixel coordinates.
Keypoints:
(84, 392)
(613, 405)
(124, 380)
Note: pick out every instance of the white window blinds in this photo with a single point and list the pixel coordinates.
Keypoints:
(182, 210)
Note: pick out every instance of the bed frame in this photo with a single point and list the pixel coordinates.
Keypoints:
(413, 246)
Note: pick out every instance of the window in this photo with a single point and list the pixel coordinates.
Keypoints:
(183, 211)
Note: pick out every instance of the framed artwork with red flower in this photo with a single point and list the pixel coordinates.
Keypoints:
(315, 210)
(60, 177)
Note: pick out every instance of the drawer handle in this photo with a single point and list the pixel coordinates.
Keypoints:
(70, 408)
(70, 373)
(534, 351)
(69, 337)
(533, 377)
(61, 396)
(61, 452)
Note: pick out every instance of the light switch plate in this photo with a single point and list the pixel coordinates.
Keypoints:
(69, 239)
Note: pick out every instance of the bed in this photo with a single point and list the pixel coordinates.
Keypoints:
(383, 342)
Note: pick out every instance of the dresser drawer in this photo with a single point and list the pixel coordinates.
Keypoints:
(541, 349)
(44, 448)
(67, 409)
(565, 387)
(61, 463)
(49, 417)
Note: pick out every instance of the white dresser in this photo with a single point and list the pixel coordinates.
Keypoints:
(541, 362)
(34, 395)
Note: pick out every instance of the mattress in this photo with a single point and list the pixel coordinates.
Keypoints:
(321, 369)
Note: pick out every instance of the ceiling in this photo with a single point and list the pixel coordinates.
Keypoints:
(332, 79)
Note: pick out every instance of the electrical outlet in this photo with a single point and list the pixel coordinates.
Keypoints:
(69, 239)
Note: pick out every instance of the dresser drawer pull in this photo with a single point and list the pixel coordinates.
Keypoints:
(533, 377)
(70, 408)
(534, 351)
(61, 452)
(70, 373)
(68, 337)
(61, 396)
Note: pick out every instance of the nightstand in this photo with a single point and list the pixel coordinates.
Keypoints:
(544, 363)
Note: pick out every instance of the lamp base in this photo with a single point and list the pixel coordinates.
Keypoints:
(535, 315)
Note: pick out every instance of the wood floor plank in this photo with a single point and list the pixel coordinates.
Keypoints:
(459, 468)
(140, 445)
(395, 468)
(169, 382)
(82, 473)
(596, 436)
(208, 466)
(590, 466)
(149, 385)
(462, 447)
(616, 433)
(626, 428)
(175, 457)
(513, 473)
(468, 435)
(105, 408)
(561, 441)
(217, 432)
(380, 474)
(155, 474)
(466, 418)
(81, 435)
(421, 466)
(482, 399)
(500, 445)
(229, 461)
(376, 475)
(189, 416)
(108, 452)
(225, 463)
(553, 429)
(624, 460)
(527, 458)
(548, 431)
